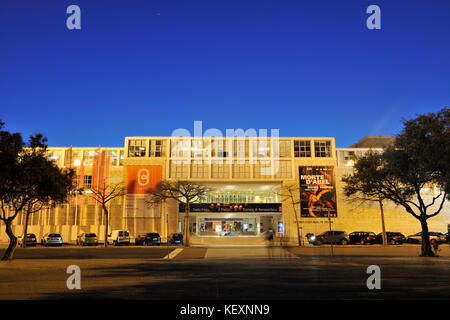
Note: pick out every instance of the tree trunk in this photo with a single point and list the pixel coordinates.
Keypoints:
(25, 231)
(9, 253)
(383, 228)
(426, 251)
(186, 225)
(105, 211)
(298, 230)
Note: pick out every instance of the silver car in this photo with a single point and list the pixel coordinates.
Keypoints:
(87, 238)
(52, 239)
(433, 236)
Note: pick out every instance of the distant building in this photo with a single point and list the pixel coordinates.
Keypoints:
(374, 142)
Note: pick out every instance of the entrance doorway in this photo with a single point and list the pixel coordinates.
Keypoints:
(228, 227)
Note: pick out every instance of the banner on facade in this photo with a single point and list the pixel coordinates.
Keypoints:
(317, 192)
(232, 207)
(140, 179)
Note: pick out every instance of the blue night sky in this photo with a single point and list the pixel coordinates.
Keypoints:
(307, 68)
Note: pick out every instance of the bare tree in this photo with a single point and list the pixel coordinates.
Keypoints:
(290, 194)
(185, 192)
(102, 195)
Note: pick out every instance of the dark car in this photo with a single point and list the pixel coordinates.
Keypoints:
(391, 238)
(446, 237)
(148, 239)
(87, 238)
(176, 238)
(30, 240)
(362, 237)
(332, 237)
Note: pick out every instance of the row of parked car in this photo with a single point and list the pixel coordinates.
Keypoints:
(365, 237)
(116, 238)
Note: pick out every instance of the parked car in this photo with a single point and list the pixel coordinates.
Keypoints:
(446, 237)
(87, 238)
(434, 237)
(119, 237)
(148, 239)
(334, 237)
(30, 241)
(392, 238)
(52, 239)
(176, 238)
(362, 237)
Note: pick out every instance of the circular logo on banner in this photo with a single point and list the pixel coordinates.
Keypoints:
(143, 177)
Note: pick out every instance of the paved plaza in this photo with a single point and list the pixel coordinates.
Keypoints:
(219, 273)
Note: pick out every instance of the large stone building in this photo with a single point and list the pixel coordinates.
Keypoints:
(249, 180)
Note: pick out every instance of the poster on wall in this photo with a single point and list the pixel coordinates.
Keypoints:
(317, 192)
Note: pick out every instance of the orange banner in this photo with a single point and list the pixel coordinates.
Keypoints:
(139, 179)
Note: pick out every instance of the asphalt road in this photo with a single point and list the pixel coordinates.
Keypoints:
(92, 252)
(221, 273)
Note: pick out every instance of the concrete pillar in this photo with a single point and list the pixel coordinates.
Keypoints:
(258, 225)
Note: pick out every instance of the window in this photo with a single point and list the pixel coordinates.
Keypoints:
(262, 169)
(240, 148)
(121, 158)
(241, 171)
(177, 170)
(200, 149)
(220, 171)
(136, 148)
(349, 155)
(197, 148)
(322, 149)
(77, 157)
(284, 169)
(260, 148)
(89, 157)
(88, 181)
(263, 148)
(179, 147)
(199, 171)
(302, 148)
(284, 149)
(219, 148)
(112, 156)
(156, 148)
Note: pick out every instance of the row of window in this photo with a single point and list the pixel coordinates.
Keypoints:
(86, 158)
(203, 148)
(278, 169)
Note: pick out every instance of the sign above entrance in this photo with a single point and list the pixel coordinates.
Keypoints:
(232, 207)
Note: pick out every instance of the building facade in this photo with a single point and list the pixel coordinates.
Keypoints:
(255, 185)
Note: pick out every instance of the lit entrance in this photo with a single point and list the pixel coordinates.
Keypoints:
(234, 224)
(228, 227)
(243, 210)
